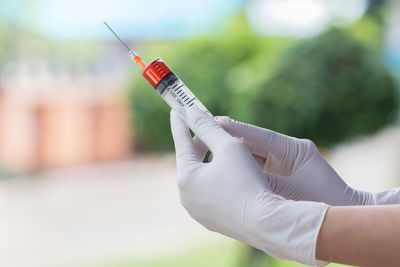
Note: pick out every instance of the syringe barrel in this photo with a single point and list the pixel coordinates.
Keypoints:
(177, 95)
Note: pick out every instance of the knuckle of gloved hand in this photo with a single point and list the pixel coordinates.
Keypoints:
(203, 124)
(224, 121)
(309, 147)
(309, 143)
(271, 137)
(185, 154)
(230, 145)
(186, 177)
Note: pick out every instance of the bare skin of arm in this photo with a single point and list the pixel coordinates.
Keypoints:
(361, 236)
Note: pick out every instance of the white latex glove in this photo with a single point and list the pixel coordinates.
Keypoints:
(230, 194)
(300, 171)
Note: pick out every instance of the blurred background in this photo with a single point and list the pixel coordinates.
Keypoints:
(87, 171)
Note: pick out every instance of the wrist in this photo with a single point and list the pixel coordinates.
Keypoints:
(362, 198)
(289, 230)
(254, 212)
(387, 197)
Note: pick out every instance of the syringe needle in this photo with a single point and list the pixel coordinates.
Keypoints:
(132, 53)
(108, 26)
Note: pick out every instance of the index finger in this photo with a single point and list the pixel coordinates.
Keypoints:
(207, 128)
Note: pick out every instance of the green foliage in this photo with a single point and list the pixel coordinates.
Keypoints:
(328, 88)
(151, 119)
(368, 32)
(224, 72)
(8, 34)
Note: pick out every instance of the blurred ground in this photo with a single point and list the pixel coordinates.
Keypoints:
(102, 213)
(371, 162)
(94, 214)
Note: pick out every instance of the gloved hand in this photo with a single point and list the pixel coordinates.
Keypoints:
(230, 194)
(299, 170)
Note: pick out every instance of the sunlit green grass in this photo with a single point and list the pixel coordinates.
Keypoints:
(229, 255)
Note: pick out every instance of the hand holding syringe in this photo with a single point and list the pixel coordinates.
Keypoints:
(167, 84)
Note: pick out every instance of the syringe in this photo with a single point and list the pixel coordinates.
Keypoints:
(166, 83)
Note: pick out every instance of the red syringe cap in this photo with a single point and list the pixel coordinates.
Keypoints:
(155, 71)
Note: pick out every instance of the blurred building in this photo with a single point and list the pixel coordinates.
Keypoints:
(55, 118)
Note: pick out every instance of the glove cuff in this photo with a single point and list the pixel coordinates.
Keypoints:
(362, 198)
(387, 197)
(291, 229)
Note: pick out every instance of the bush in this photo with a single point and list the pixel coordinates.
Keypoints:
(328, 88)
(222, 71)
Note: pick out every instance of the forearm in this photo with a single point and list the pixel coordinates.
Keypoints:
(362, 236)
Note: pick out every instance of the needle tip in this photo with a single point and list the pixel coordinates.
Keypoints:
(134, 56)
(108, 26)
